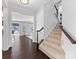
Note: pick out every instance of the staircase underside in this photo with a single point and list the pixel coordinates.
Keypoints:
(51, 45)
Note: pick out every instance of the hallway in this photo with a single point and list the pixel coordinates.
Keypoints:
(23, 48)
(51, 22)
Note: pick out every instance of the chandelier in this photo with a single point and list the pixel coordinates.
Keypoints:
(24, 2)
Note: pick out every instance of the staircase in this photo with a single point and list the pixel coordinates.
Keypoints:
(51, 45)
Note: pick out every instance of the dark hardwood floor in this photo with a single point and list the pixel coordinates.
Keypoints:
(23, 48)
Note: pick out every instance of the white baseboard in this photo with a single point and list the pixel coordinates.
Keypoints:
(6, 48)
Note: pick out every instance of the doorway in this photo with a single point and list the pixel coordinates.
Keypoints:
(15, 31)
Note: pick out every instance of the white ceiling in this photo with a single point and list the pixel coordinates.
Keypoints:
(30, 9)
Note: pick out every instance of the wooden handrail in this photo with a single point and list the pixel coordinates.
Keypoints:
(40, 29)
(68, 35)
(56, 9)
(41, 41)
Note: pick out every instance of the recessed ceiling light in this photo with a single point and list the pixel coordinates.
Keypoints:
(24, 1)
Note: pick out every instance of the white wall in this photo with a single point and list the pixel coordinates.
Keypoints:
(69, 48)
(50, 19)
(34, 30)
(40, 22)
(69, 16)
(40, 18)
(6, 38)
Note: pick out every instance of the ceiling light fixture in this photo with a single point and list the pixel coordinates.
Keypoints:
(24, 2)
